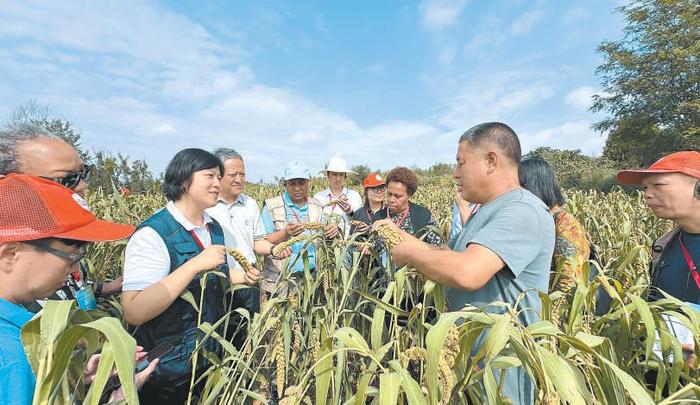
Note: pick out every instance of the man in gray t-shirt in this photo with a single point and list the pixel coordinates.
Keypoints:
(518, 227)
(505, 250)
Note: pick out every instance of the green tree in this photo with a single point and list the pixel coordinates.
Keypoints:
(361, 171)
(576, 170)
(651, 82)
(31, 113)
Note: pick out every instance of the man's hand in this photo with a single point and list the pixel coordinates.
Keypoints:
(252, 276)
(331, 231)
(286, 252)
(114, 286)
(344, 204)
(293, 229)
(90, 371)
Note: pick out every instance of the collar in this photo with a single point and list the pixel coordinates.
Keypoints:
(14, 314)
(328, 191)
(289, 203)
(189, 226)
(240, 200)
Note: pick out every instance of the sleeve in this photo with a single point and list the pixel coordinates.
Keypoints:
(355, 200)
(266, 220)
(146, 260)
(258, 229)
(515, 234)
(18, 383)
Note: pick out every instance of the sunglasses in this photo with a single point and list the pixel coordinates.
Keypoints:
(72, 258)
(73, 179)
(378, 189)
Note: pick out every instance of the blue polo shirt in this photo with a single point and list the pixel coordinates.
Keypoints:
(294, 214)
(16, 374)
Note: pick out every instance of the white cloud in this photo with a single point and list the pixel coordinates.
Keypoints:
(581, 97)
(525, 22)
(568, 135)
(437, 15)
(493, 96)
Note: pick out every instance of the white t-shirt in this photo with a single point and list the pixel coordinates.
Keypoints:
(241, 224)
(325, 196)
(146, 260)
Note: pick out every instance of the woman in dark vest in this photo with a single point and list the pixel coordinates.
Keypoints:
(401, 185)
(167, 256)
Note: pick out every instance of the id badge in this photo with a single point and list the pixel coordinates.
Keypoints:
(86, 298)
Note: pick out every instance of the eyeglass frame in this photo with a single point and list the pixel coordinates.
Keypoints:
(73, 258)
(379, 189)
(74, 177)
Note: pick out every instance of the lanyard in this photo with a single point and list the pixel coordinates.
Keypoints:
(474, 208)
(196, 238)
(401, 218)
(330, 198)
(692, 268)
(299, 221)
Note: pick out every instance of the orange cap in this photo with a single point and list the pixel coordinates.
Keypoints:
(373, 180)
(34, 208)
(686, 162)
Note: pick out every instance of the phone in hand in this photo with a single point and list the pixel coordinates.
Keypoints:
(158, 351)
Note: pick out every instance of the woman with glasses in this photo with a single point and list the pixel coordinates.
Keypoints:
(167, 256)
(374, 192)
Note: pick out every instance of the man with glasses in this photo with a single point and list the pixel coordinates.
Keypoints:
(239, 217)
(32, 149)
(44, 232)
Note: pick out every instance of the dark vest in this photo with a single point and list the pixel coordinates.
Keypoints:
(178, 323)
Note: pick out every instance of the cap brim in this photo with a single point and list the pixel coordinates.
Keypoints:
(633, 177)
(99, 231)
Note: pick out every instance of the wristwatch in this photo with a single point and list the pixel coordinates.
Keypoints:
(98, 289)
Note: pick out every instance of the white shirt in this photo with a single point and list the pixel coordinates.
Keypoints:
(354, 198)
(242, 226)
(146, 260)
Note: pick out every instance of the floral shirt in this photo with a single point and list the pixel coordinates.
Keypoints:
(571, 251)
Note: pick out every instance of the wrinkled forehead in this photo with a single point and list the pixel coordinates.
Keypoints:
(653, 178)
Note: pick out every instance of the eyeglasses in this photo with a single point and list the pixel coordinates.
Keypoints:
(72, 258)
(378, 189)
(72, 179)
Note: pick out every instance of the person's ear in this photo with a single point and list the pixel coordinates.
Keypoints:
(491, 161)
(8, 252)
(697, 190)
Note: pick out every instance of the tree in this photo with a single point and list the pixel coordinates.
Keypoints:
(109, 171)
(651, 82)
(116, 171)
(576, 170)
(361, 171)
(31, 113)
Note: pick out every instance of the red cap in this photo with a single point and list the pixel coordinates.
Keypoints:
(373, 180)
(34, 208)
(686, 162)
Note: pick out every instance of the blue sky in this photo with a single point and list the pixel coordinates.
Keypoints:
(378, 83)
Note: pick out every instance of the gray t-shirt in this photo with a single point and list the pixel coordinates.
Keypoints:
(519, 228)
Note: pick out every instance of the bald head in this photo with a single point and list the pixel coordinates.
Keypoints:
(33, 150)
(497, 134)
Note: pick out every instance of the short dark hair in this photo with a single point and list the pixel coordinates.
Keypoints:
(497, 133)
(405, 176)
(178, 174)
(537, 176)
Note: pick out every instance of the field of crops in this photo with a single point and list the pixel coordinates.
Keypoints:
(343, 336)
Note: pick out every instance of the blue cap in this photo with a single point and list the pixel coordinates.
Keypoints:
(296, 170)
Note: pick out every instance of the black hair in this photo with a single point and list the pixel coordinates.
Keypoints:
(497, 133)
(537, 176)
(178, 174)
